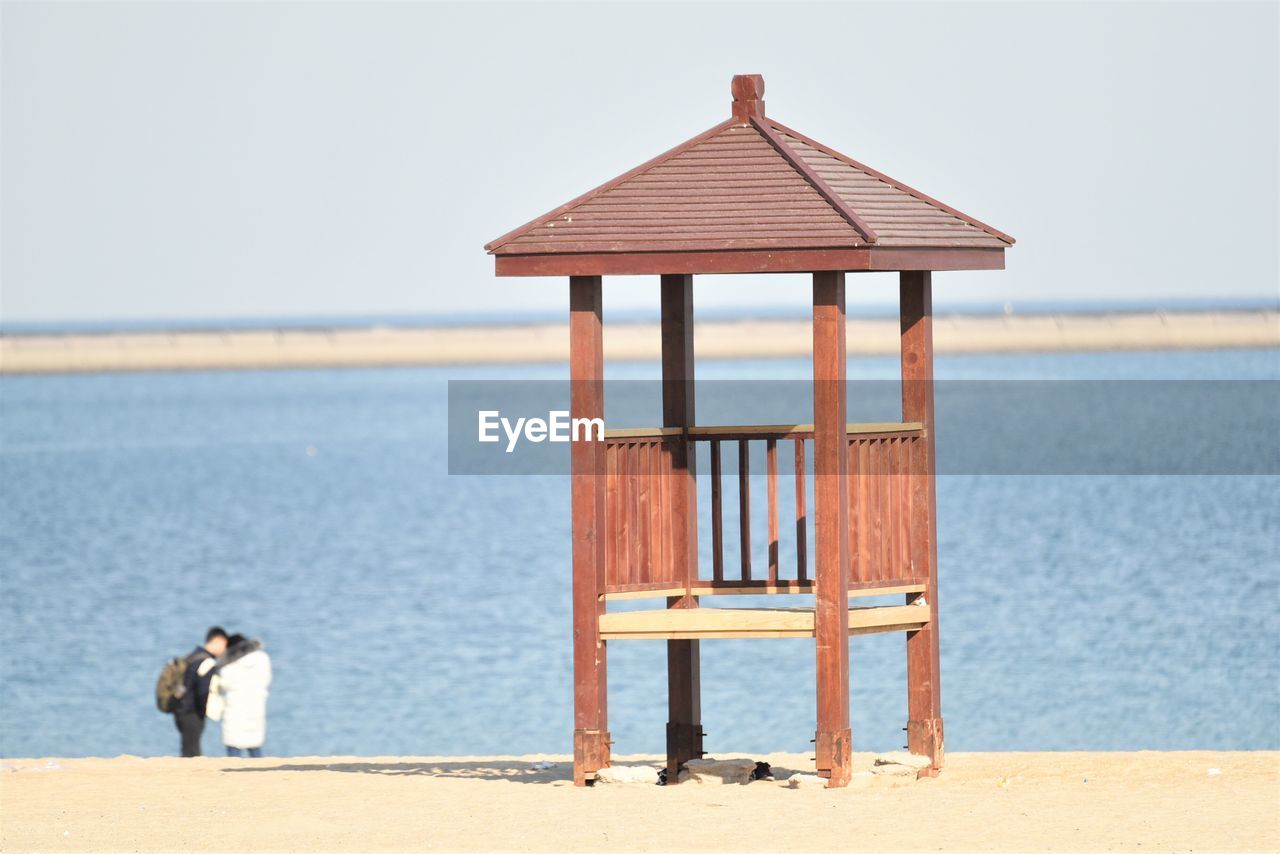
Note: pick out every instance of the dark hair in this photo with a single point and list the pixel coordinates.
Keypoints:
(235, 639)
(215, 632)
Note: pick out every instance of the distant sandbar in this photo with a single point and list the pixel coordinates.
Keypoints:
(452, 345)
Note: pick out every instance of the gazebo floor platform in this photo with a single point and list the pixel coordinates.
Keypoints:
(705, 623)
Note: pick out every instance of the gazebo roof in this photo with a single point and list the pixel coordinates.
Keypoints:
(749, 195)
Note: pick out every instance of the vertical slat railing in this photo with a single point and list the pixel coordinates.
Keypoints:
(857, 502)
(644, 542)
(771, 491)
(717, 514)
(663, 519)
(633, 514)
(744, 507)
(880, 511)
(612, 509)
(639, 500)
(915, 471)
(876, 534)
(897, 465)
(861, 510)
(802, 523)
(884, 568)
(639, 496)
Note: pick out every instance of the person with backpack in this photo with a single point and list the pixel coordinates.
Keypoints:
(186, 696)
(238, 695)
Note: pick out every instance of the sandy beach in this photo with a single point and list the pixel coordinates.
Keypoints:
(1192, 801)
(444, 345)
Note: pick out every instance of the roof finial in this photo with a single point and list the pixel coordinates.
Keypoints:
(748, 96)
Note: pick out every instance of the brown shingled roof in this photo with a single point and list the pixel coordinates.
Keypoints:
(749, 183)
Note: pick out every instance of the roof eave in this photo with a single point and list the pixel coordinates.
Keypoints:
(710, 262)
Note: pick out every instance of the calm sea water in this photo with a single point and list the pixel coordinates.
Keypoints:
(410, 612)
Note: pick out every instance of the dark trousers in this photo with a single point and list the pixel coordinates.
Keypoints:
(192, 727)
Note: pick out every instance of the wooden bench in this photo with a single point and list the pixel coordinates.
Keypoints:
(699, 623)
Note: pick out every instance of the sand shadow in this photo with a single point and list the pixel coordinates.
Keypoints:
(514, 771)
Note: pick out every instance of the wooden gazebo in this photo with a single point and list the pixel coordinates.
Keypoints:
(753, 196)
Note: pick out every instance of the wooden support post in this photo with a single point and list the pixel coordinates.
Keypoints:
(924, 696)
(684, 703)
(587, 469)
(831, 533)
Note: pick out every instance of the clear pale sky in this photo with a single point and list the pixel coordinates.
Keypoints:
(235, 159)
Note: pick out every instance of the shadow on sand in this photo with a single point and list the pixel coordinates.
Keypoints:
(512, 770)
(515, 771)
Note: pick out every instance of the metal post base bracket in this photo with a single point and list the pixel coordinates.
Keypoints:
(834, 757)
(684, 742)
(924, 738)
(590, 754)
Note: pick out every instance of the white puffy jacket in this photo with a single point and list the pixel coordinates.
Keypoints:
(238, 697)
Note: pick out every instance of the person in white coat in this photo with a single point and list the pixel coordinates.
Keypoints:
(238, 695)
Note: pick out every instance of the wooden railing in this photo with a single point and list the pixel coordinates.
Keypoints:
(885, 473)
(885, 463)
(743, 437)
(638, 513)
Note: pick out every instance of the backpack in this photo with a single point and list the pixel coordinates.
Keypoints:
(170, 687)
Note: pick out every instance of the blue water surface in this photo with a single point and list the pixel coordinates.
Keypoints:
(412, 612)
